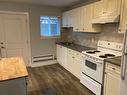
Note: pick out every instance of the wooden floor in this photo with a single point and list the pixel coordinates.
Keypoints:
(54, 80)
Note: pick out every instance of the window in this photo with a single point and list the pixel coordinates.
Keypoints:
(49, 26)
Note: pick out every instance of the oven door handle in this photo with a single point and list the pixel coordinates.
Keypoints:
(88, 59)
(97, 63)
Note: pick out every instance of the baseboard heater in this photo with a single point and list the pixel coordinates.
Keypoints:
(43, 58)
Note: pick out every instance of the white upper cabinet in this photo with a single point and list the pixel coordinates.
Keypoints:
(112, 7)
(123, 17)
(70, 18)
(82, 19)
(76, 16)
(97, 9)
(86, 20)
(88, 14)
(106, 8)
(67, 19)
(106, 11)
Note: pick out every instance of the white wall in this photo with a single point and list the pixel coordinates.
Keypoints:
(38, 46)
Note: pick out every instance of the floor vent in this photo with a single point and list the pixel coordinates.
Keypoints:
(43, 58)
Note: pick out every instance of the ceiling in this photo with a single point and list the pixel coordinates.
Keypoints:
(55, 3)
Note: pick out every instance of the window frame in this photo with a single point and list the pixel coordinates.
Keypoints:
(51, 37)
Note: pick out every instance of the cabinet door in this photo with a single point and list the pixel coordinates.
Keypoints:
(97, 9)
(88, 18)
(76, 25)
(123, 17)
(112, 84)
(64, 56)
(59, 52)
(112, 7)
(65, 19)
(70, 18)
(69, 59)
(82, 20)
(76, 64)
(86, 14)
(76, 67)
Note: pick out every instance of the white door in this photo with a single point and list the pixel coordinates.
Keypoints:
(14, 36)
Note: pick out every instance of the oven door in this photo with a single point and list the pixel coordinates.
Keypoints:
(93, 69)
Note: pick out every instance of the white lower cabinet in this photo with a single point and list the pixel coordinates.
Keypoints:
(62, 55)
(74, 62)
(112, 79)
(69, 59)
(59, 53)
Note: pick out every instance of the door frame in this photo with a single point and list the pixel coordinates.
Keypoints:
(28, 31)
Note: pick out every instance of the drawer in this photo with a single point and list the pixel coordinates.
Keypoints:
(112, 67)
(91, 84)
(70, 51)
(77, 55)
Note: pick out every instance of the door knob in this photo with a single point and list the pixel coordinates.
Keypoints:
(1, 43)
(2, 47)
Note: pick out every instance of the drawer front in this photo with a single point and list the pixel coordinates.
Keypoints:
(112, 67)
(91, 84)
(77, 55)
(70, 51)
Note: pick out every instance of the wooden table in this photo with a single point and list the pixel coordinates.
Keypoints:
(13, 75)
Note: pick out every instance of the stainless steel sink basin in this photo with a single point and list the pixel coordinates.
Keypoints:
(68, 43)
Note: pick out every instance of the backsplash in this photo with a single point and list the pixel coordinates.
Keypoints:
(109, 33)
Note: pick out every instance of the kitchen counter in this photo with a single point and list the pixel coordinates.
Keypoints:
(12, 68)
(75, 47)
(115, 60)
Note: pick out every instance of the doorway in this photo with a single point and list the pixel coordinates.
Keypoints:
(15, 36)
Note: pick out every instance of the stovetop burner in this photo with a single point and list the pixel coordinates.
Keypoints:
(92, 52)
(106, 55)
(110, 55)
(97, 51)
(103, 56)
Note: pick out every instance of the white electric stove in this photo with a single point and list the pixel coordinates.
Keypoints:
(93, 64)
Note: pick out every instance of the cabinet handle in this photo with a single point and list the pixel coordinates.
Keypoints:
(104, 12)
(0, 53)
(119, 29)
(113, 69)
